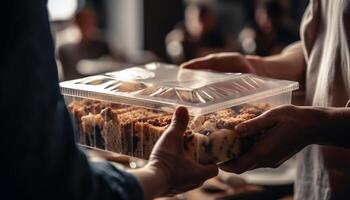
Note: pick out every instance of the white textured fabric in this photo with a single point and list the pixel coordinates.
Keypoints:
(324, 172)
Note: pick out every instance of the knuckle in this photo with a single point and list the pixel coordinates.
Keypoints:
(288, 108)
(178, 126)
(265, 118)
(276, 112)
(256, 124)
(268, 114)
(176, 120)
(210, 56)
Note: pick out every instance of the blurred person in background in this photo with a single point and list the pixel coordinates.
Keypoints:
(199, 34)
(271, 30)
(91, 45)
(40, 159)
(320, 130)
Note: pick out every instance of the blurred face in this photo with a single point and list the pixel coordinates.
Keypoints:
(198, 21)
(268, 16)
(261, 16)
(86, 21)
(193, 22)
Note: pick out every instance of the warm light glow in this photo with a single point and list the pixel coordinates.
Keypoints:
(62, 9)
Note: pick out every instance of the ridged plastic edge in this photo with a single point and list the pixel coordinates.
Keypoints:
(164, 105)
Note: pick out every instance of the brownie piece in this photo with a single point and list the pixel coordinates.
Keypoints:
(218, 146)
(82, 108)
(228, 112)
(110, 126)
(111, 131)
(103, 130)
(214, 139)
(254, 109)
(132, 137)
(224, 145)
(196, 147)
(197, 122)
(230, 123)
(76, 108)
(148, 133)
(134, 130)
(92, 125)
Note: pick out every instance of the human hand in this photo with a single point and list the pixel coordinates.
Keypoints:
(225, 62)
(168, 155)
(170, 170)
(286, 129)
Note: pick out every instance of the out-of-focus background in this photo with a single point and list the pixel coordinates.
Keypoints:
(94, 36)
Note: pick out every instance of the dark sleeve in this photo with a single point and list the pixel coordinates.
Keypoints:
(39, 157)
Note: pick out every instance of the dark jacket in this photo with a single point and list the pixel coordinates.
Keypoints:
(39, 158)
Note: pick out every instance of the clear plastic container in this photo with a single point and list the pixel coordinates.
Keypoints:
(126, 111)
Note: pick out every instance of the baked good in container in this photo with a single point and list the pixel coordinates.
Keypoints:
(134, 130)
(127, 111)
(217, 146)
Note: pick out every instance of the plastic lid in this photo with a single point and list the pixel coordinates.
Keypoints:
(164, 86)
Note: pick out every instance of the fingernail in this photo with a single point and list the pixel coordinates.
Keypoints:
(180, 111)
(242, 128)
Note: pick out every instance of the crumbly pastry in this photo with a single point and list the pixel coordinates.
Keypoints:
(112, 128)
(196, 123)
(148, 133)
(228, 112)
(134, 131)
(80, 109)
(220, 145)
(76, 108)
(132, 137)
(255, 109)
(224, 145)
(196, 147)
(91, 127)
(111, 131)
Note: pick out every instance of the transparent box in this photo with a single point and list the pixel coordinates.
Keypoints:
(127, 111)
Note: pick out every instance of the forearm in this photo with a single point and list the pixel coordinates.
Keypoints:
(289, 65)
(337, 130)
(326, 126)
